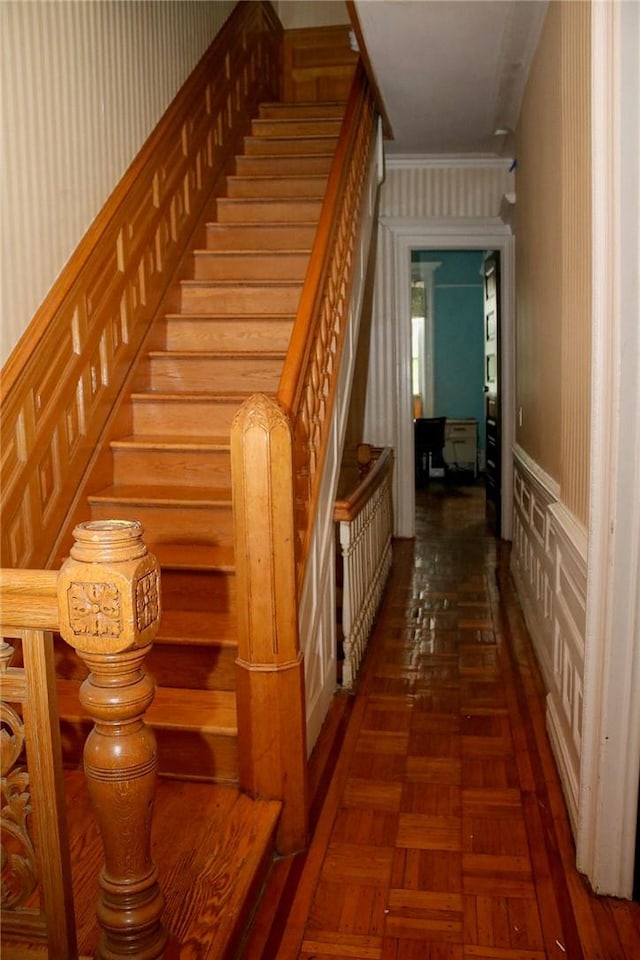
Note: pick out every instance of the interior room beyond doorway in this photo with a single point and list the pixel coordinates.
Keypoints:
(448, 362)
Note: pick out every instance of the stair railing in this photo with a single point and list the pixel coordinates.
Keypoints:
(364, 515)
(278, 449)
(105, 601)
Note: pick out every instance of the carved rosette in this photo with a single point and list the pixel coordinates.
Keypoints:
(18, 877)
(109, 589)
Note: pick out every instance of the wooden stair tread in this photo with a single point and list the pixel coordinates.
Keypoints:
(206, 284)
(185, 396)
(194, 556)
(203, 628)
(207, 711)
(189, 317)
(142, 442)
(215, 354)
(257, 224)
(162, 495)
(250, 252)
(268, 201)
(226, 893)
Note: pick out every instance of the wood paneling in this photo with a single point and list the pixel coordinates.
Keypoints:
(318, 63)
(59, 388)
(549, 563)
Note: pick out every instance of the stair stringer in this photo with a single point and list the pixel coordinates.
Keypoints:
(317, 604)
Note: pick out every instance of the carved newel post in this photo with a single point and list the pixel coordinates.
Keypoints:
(109, 600)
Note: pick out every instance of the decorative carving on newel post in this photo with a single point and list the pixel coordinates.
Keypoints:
(109, 601)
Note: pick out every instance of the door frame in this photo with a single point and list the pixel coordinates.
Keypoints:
(610, 756)
(415, 233)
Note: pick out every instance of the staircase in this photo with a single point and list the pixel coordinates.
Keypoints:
(223, 337)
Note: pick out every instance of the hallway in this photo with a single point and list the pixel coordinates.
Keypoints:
(440, 831)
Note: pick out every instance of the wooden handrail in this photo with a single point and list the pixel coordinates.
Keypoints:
(349, 505)
(309, 376)
(34, 591)
(105, 601)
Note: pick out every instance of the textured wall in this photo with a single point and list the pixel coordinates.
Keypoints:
(83, 84)
(553, 187)
(576, 257)
(539, 254)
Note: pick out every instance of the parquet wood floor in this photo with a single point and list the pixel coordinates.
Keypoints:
(442, 832)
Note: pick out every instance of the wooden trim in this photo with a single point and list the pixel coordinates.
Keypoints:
(61, 383)
(368, 66)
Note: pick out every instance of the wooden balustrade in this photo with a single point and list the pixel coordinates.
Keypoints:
(60, 384)
(310, 372)
(105, 601)
(277, 457)
(365, 517)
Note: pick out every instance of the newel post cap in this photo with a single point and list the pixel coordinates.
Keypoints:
(109, 589)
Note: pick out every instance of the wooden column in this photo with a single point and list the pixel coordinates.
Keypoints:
(270, 668)
(109, 603)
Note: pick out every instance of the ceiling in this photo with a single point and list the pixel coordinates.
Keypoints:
(451, 72)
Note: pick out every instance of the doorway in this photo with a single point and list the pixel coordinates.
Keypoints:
(409, 235)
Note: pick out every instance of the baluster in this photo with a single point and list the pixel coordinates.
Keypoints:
(109, 604)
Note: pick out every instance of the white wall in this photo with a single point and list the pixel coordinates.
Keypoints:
(82, 84)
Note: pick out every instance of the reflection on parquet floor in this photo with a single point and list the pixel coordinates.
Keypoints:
(443, 833)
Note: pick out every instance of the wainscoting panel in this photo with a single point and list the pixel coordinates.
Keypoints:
(549, 567)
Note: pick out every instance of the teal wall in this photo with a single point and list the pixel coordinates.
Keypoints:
(458, 334)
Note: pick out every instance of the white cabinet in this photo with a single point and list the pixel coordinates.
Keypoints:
(461, 445)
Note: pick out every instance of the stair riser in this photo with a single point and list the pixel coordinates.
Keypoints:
(260, 236)
(265, 146)
(283, 166)
(258, 187)
(268, 211)
(212, 334)
(300, 110)
(191, 667)
(198, 418)
(183, 666)
(189, 468)
(167, 524)
(208, 591)
(296, 127)
(183, 754)
(250, 266)
(222, 373)
(237, 300)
